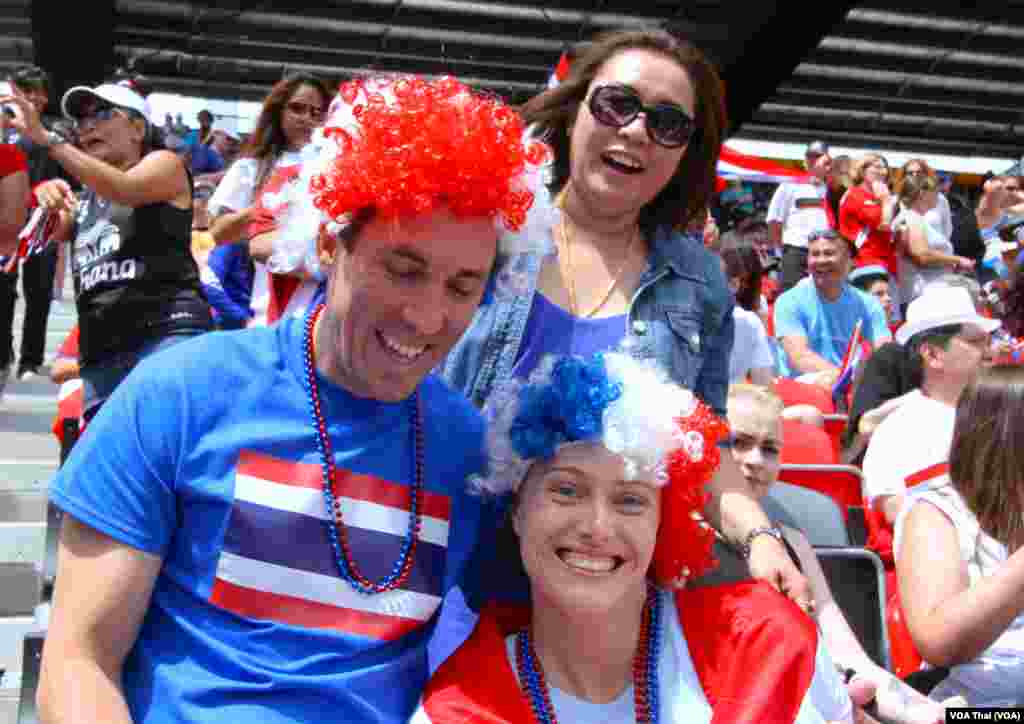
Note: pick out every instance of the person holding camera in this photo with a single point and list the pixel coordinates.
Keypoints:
(37, 271)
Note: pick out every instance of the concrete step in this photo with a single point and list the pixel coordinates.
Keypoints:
(12, 641)
(23, 506)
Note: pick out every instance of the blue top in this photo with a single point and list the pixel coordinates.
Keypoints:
(828, 326)
(227, 282)
(552, 330)
(681, 315)
(206, 457)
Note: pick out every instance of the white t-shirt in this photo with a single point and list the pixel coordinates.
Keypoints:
(234, 193)
(800, 208)
(750, 347)
(996, 676)
(914, 278)
(682, 697)
(914, 437)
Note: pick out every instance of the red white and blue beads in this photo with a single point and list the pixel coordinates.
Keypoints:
(645, 668)
(336, 529)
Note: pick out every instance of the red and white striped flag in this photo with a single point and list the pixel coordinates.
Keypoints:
(561, 71)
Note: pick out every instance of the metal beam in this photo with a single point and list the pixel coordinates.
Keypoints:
(892, 142)
(275, 68)
(304, 23)
(897, 78)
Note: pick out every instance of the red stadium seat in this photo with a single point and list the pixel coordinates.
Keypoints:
(797, 393)
(902, 651)
(842, 483)
(835, 426)
(806, 444)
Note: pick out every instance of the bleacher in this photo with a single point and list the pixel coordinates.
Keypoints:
(29, 457)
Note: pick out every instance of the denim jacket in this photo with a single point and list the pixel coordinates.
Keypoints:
(680, 315)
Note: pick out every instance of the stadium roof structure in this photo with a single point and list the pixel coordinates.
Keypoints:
(936, 76)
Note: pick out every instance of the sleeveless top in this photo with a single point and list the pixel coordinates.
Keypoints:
(135, 278)
(996, 676)
(914, 278)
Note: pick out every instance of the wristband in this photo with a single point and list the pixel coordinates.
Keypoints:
(769, 530)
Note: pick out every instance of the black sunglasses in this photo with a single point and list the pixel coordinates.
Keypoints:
(618, 105)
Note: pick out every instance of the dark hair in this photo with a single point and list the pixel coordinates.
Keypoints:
(865, 281)
(936, 337)
(153, 140)
(1013, 304)
(832, 235)
(267, 141)
(742, 260)
(986, 462)
(30, 76)
(693, 184)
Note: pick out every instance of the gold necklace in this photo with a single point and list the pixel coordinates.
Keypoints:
(567, 271)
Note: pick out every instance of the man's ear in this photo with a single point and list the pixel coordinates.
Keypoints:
(326, 247)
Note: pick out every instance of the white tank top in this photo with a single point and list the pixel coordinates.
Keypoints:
(996, 677)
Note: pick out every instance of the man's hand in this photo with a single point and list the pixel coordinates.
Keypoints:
(769, 561)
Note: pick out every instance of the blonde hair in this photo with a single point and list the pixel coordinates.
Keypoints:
(763, 397)
(911, 188)
(858, 166)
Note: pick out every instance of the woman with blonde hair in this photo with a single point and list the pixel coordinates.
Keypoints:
(925, 253)
(755, 419)
(960, 549)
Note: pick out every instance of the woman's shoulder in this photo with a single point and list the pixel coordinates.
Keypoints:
(457, 692)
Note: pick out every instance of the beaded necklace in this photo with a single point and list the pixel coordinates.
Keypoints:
(336, 528)
(645, 668)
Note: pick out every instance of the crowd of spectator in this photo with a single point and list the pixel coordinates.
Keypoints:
(885, 289)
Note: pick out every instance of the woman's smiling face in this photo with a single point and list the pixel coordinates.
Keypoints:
(617, 171)
(587, 534)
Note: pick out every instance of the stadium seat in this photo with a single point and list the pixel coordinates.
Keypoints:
(816, 514)
(857, 581)
(842, 483)
(797, 393)
(905, 658)
(806, 444)
(835, 426)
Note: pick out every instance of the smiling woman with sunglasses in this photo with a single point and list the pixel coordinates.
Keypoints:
(636, 129)
(270, 161)
(137, 286)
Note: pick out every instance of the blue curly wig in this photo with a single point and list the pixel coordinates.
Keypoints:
(569, 408)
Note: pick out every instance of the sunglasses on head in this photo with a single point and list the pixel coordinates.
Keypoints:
(305, 109)
(667, 124)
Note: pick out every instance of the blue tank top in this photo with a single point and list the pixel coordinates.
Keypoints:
(552, 330)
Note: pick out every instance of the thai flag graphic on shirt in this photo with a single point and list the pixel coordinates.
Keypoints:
(277, 562)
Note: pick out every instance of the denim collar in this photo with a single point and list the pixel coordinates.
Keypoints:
(670, 249)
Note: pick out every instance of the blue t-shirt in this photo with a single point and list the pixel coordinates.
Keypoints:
(207, 457)
(828, 326)
(551, 330)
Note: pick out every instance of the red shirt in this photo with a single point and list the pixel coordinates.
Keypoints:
(12, 160)
(860, 213)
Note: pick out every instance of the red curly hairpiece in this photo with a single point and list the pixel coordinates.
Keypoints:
(427, 144)
(683, 550)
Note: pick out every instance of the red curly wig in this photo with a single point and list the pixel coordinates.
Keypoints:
(412, 145)
(683, 550)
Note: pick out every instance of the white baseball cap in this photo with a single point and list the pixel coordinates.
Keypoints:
(941, 306)
(121, 94)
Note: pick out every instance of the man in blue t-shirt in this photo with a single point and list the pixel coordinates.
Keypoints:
(815, 320)
(207, 573)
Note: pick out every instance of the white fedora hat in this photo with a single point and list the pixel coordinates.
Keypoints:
(940, 306)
